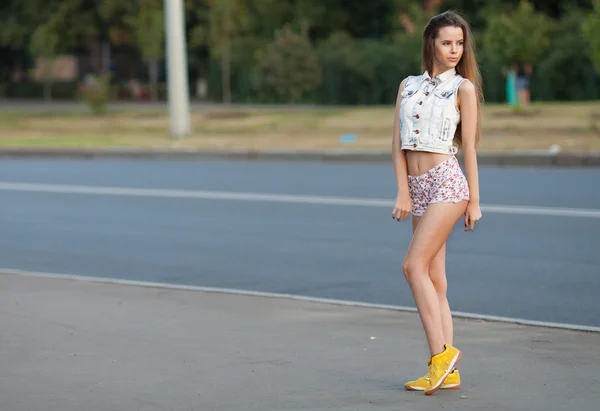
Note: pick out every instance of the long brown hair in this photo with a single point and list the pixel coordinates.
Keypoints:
(466, 67)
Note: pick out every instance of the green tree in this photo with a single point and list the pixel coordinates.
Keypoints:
(591, 31)
(265, 17)
(139, 23)
(476, 10)
(44, 43)
(148, 25)
(413, 18)
(117, 17)
(517, 37)
(221, 25)
(46, 28)
(289, 66)
(564, 63)
(16, 26)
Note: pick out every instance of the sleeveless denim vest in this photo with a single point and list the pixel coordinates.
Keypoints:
(428, 113)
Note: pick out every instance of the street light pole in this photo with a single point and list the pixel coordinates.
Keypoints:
(177, 73)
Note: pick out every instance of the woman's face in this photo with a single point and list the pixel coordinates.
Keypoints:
(449, 46)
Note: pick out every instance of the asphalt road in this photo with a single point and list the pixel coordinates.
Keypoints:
(532, 264)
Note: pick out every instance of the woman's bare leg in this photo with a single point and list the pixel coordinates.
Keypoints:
(437, 274)
(429, 237)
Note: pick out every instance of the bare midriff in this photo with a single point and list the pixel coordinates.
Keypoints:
(419, 162)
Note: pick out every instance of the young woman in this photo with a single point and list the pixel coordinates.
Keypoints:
(436, 113)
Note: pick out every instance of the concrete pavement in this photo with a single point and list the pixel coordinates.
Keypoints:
(71, 345)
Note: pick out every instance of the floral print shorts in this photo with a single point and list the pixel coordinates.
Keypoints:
(444, 183)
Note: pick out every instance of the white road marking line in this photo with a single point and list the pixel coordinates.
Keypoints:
(280, 198)
(456, 314)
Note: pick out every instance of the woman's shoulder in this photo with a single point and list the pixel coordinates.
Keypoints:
(465, 85)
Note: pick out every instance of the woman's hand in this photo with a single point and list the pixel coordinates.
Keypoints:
(472, 215)
(402, 208)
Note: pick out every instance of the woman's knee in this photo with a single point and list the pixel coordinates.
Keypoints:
(413, 267)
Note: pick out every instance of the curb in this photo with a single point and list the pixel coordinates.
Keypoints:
(305, 298)
(521, 158)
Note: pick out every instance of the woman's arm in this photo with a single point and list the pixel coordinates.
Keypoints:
(468, 110)
(403, 204)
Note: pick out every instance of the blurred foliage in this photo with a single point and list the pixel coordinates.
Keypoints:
(288, 66)
(591, 31)
(44, 43)
(517, 37)
(361, 71)
(223, 22)
(358, 51)
(96, 94)
(566, 71)
(149, 28)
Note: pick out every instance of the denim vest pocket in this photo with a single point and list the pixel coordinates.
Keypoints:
(408, 93)
(443, 97)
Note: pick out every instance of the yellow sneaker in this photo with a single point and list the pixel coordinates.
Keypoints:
(441, 365)
(452, 383)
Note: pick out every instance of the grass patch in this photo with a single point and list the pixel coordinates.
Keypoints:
(574, 126)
